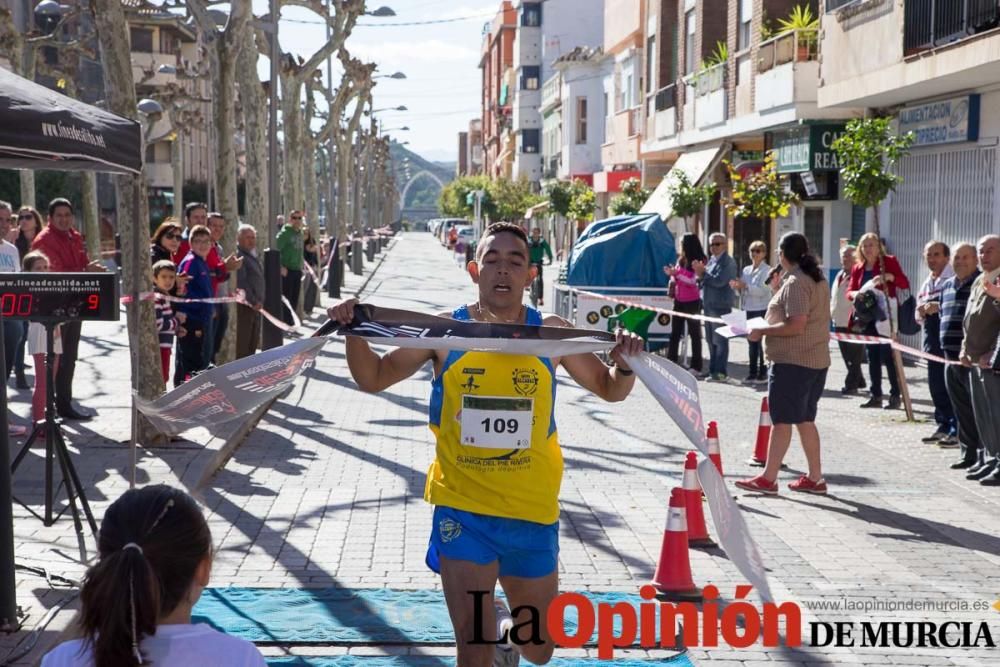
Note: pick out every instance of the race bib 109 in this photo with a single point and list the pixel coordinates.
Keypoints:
(496, 422)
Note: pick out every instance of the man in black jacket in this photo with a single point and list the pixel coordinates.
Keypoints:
(250, 279)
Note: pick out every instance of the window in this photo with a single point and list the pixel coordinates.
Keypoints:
(150, 153)
(581, 120)
(627, 94)
(651, 77)
(531, 14)
(743, 24)
(530, 77)
(530, 140)
(169, 44)
(142, 40)
(690, 26)
(813, 230)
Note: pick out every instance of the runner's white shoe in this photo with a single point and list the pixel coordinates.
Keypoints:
(505, 655)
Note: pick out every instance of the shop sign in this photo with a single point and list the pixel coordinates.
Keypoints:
(807, 148)
(948, 121)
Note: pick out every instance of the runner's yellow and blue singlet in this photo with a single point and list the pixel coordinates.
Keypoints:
(497, 447)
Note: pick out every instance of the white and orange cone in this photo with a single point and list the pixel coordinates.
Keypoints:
(698, 537)
(672, 579)
(713, 445)
(759, 457)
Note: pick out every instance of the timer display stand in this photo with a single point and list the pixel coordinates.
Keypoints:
(55, 449)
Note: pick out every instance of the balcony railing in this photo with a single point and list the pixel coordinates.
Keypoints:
(930, 23)
(837, 4)
(708, 80)
(666, 98)
(792, 46)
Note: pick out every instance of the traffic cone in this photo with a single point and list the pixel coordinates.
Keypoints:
(759, 457)
(697, 531)
(672, 579)
(713, 445)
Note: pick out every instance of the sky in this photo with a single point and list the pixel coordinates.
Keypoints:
(440, 60)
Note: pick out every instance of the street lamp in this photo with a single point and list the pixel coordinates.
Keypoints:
(394, 75)
(397, 129)
(152, 109)
(382, 12)
(399, 108)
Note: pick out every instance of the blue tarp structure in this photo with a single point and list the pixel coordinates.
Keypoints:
(625, 251)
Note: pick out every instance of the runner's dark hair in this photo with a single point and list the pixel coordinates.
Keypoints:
(505, 228)
(795, 248)
(691, 250)
(150, 544)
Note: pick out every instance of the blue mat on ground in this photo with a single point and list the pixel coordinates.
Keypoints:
(359, 616)
(427, 661)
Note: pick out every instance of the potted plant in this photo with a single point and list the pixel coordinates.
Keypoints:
(802, 21)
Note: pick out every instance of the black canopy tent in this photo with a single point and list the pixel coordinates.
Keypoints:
(42, 129)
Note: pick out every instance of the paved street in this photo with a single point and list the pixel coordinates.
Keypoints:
(327, 492)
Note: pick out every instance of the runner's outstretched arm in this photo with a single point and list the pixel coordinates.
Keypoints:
(590, 372)
(372, 372)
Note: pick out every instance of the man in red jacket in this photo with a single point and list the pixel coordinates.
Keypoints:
(63, 245)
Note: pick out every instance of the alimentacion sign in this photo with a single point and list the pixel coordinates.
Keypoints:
(949, 121)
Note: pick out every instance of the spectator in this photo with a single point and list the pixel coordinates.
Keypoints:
(154, 561)
(979, 353)
(195, 214)
(29, 224)
(290, 246)
(683, 286)
(937, 256)
(63, 245)
(310, 258)
(796, 342)
(250, 279)
(166, 241)
(10, 262)
(718, 298)
(38, 345)
(220, 283)
(954, 299)
(168, 324)
(756, 294)
(840, 312)
(191, 350)
(538, 249)
(872, 263)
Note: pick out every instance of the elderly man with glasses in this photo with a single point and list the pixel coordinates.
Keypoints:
(290, 246)
(718, 297)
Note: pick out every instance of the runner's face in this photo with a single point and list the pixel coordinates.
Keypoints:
(504, 272)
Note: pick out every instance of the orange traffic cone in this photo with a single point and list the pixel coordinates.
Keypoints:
(713, 445)
(672, 579)
(697, 531)
(763, 436)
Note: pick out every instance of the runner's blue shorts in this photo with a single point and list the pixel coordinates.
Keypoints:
(524, 548)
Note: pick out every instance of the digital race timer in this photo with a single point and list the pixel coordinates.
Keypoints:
(59, 297)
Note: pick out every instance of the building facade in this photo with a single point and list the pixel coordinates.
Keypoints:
(546, 30)
(496, 59)
(474, 147)
(462, 163)
(935, 72)
(623, 86)
(728, 81)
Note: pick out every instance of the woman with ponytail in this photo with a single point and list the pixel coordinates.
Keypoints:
(797, 343)
(155, 555)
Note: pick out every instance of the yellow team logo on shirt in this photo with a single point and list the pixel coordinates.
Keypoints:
(525, 381)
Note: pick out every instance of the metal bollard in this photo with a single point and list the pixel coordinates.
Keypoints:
(272, 335)
(357, 261)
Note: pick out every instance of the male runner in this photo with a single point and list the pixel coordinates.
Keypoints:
(497, 508)
(538, 248)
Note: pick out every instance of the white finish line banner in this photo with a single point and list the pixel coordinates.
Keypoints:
(675, 389)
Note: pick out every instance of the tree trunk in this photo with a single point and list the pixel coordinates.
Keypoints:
(91, 214)
(291, 118)
(119, 85)
(255, 121)
(177, 172)
(224, 51)
(27, 176)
